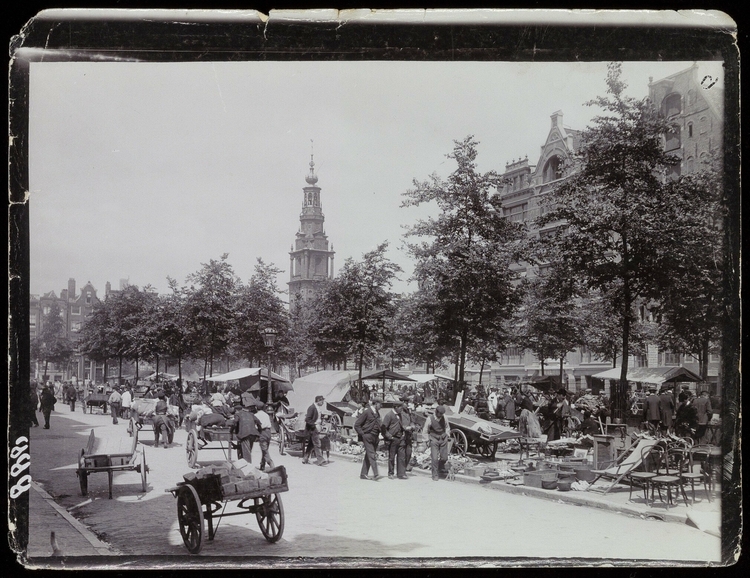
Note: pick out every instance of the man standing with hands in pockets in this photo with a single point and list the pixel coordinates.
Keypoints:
(368, 427)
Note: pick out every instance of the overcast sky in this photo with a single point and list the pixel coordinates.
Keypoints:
(141, 171)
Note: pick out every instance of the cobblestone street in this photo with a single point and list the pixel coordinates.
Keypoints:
(330, 512)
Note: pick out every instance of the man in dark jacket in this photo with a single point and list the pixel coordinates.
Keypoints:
(313, 427)
(47, 402)
(651, 412)
(247, 428)
(666, 410)
(705, 413)
(393, 434)
(34, 405)
(368, 427)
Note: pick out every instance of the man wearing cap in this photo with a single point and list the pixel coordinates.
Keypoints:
(410, 426)
(115, 399)
(368, 427)
(312, 427)
(705, 413)
(126, 402)
(438, 430)
(666, 410)
(161, 421)
(393, 434)
(247, 428)
(651, 412)
(264, 437)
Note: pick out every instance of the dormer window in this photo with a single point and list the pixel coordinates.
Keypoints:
(671, 105)
(552, 169)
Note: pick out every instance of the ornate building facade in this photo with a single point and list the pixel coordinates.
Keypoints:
(695, 105)
(310, 257)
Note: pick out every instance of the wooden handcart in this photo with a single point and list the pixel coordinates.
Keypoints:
(99, 400)
(222, 438)
(144, 409)
(110, 455)
(199, 502)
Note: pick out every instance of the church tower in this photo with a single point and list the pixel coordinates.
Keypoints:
(310, 259)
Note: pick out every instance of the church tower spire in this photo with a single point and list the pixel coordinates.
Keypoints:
(311, 259)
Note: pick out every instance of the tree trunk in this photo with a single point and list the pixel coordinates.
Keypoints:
(205, 367)
(542, 364)
(562, 383)
(464, 340)
(137, 375)
(704, 359)
(119, 369)
(157, 367)
(481, 371)
(179, 368)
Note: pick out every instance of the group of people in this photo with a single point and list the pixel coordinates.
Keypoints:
(689, 417)
(44, 402)
(398, 427)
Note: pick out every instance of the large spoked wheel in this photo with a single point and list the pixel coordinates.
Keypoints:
(282, 440)
(270, 516)
(191, 449)
(144, 469)
(190, 519)
(460, 443)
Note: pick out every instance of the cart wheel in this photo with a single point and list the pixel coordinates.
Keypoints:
(270, 515)
(282, 441)
(190, 518)
(191, 448)
(460, 443)
(143, 469)
(131, 427)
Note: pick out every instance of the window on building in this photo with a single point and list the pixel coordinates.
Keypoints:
(714, 357)
(516, 213)
(586, 355)
(75, 327)
(46, 309)
(32, 322)
(672, 105)
(513, 356)
(690, 164)
(673, 139)
(703, 125)
(88, 298)
(75, 309)
(640, 361)
(671, 358)
(675, 171)
(691, 97)
(552, 169)
(690, 130)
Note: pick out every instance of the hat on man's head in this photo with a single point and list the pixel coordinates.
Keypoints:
(439, 410)
(319, 398)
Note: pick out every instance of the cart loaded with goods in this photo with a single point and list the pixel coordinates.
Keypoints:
(203, 496)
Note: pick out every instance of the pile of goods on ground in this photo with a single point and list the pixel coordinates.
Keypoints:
(238, 477)
(592, 404)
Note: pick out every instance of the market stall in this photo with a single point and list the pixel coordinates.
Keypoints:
(255, 380)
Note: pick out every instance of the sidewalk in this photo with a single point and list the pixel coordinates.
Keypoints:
(704, 514)
(70, 536)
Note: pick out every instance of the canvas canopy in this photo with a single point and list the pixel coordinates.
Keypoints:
(332, 385)
(425, 377)
(246, 372)
(655, 375)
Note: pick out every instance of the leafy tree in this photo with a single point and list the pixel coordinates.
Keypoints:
(464, 263)
(354, 309)
(417, 332)
(95, 338)
(692, 305)
(300, 346)
(52, 345)
(210, 309)
(174, 331)
(548, 322)
(257, 307)
(616, 207)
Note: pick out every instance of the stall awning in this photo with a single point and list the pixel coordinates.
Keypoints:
(332, 385)
(425, 377)
(246, 372)
(656, 375)
(385, 374)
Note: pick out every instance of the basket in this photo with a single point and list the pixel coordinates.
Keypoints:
(549, 485)
(535, 479)
(584, 473)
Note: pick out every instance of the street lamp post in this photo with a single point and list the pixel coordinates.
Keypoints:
(269, 338)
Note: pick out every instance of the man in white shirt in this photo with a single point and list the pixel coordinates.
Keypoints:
(492, 400)
(264, 438)
(127, 402)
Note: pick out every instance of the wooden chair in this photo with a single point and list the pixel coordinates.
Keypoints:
(641, 478)
(668, 473)
(701, 454)
(625, 464)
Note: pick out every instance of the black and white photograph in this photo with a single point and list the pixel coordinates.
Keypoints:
(405, 289)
